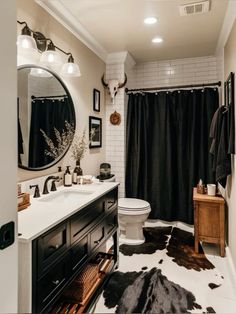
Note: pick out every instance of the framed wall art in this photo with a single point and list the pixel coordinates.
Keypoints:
(95, 131)
(96, 100)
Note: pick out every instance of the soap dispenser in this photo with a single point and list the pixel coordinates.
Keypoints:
(67, 177)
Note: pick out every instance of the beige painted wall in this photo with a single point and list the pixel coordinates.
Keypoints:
(8, 156)
(80, 88)
(230, 66)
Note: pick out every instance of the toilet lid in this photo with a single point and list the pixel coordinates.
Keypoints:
(132, 204)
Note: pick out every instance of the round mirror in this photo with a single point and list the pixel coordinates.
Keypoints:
(46, 118)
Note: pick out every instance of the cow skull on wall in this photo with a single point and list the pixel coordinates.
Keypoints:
(113, 86)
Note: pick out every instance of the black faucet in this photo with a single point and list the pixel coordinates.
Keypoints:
(45, 186)
(36, 191)
(53, 186)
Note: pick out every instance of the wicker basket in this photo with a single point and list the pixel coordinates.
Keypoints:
(82, 284)
(23, 201)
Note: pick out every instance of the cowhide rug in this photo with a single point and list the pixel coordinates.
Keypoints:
(163, 275)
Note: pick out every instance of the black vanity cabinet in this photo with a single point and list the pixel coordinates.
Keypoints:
(60, 254)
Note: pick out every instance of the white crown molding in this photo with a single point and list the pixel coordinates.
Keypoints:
(229, 19)
(64, 16)
(122, 57)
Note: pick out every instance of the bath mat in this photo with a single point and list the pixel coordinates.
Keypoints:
(162, 276)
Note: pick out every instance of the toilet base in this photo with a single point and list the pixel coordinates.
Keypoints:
(130, 241)
(130, 233)
(132, 214)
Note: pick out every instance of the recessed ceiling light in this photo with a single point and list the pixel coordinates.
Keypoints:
(150, 20)
(157, 40)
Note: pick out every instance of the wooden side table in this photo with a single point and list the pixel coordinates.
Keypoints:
(209, 220)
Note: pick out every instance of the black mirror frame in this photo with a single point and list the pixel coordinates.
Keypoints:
(73, 109)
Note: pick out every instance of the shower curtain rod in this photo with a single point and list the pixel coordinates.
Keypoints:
(171, 87)
(45, 97)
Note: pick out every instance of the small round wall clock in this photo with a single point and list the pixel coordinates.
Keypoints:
(115, 118)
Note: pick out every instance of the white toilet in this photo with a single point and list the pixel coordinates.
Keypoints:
(132, 214)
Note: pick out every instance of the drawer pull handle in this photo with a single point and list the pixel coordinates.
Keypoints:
(54, 247)
(98, 241)
(56, 282)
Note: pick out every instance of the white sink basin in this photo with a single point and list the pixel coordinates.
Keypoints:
(66, 196)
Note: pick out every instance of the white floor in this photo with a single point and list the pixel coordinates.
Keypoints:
(221, 299)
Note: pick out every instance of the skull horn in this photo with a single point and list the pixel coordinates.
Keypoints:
(103, 82)
(123, 84)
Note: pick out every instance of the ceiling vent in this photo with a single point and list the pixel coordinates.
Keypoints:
(194, 8)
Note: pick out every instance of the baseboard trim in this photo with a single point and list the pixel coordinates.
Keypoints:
(231, 265)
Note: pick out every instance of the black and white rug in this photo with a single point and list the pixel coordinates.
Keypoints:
(164, 275)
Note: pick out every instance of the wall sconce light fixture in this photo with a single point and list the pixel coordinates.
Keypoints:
(35, 41)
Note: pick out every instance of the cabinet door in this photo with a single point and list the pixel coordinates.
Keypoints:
(111, 222)
(50, 246)
(98, 235)
(86, 219)
(50, 285)
(209, 221)
(79, 253)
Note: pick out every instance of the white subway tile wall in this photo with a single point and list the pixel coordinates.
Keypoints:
(176, 72)
(115, 134)
(150, 74)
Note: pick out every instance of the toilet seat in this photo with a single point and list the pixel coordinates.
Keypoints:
(133, 206)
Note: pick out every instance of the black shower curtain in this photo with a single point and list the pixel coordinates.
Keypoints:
(46, 114)
(168, 149)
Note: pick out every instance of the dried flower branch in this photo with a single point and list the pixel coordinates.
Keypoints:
(79, 146)
(63, 140)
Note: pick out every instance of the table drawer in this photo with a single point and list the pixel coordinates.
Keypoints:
(51, 245)
(52, 283)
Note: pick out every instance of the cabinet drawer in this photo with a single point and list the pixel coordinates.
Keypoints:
(52, 282)
(51, 245)
(85, 220)
(111, 222)
(97, 236)
(111, 200)
(79, 253)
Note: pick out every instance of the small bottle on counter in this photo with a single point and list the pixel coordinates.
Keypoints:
(67, 177)
(77, 173)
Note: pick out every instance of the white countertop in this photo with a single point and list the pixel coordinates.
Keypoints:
(40, 216)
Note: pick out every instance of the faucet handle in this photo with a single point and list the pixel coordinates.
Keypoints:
(36, 191)
(53, 186)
